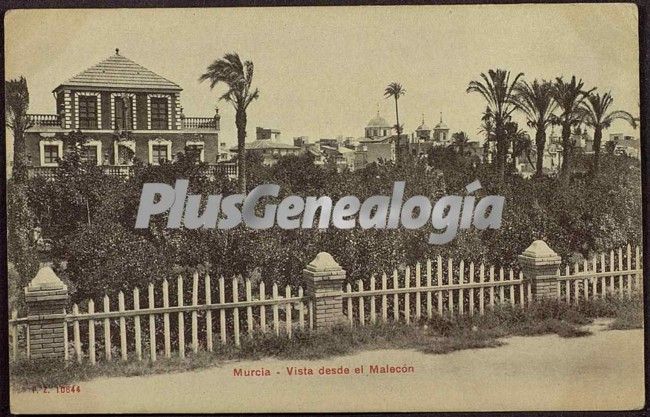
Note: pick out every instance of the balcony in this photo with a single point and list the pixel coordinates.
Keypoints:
(126, 171)
(47, 120)
(187, 123)
(200, 123)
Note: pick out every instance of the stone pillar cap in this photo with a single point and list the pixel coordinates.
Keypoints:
(539, 251)
(46, 279)
(323, 262)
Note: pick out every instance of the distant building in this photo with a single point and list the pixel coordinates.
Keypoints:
(378, 143)
(342, 158)
(378, 127)
(268, 147)
(626, 145)
(267, 134)
(441, 133)
(423, 132)
(300, 141)
(332, 143)
(316, 153)
(224, 153)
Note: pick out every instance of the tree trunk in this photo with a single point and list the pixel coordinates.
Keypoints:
(598, 136)
(502, 150)
(567, 154)
(398, 153)
(540, 143)
(240, 122)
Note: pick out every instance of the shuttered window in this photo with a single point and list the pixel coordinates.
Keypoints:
(87, 112)
(158, 113)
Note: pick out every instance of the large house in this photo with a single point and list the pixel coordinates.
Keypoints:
(125, 112)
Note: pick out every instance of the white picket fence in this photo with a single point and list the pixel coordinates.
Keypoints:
(273, 313)
(456, 290)
(444, 287)
(618, 274)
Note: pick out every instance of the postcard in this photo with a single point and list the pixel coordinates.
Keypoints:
(324, 209)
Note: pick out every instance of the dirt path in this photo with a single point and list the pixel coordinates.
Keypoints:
(602, 371)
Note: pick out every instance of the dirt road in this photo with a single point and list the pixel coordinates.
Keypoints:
(602, 371)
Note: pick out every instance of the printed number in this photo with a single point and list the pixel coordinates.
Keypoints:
(68, 389)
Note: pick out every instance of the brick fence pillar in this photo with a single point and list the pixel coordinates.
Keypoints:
(323, 282)
(46, 295)
(539, 264)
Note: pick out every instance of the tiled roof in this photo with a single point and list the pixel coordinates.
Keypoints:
(266, 144)
(120, 72)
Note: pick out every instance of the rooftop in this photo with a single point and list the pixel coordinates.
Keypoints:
(378, 121)
(441, 125)
(117, 71)
(266, 144)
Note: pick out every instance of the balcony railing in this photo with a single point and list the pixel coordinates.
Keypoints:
(126, 171)
(208, 123)
(189, 123)
(45, 119)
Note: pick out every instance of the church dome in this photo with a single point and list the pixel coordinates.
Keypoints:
(441, 125)
(378, 121)
(423, 127)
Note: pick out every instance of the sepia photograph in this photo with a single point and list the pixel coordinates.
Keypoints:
(422, 208)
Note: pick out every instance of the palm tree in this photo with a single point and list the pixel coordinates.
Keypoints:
(396, 91)
(238, 77)
(487, 128)
(497, 89)
(16, 105)
(536, 102)
(569, 97)
(460, 142)
(520, 143)
(596, 117)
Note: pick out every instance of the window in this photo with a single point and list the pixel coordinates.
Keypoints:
(89, 154)
(194, 151)
(159, 154)
(122, 114)
(88, 112)
(123, 152)
(158, 113)
(50, 154)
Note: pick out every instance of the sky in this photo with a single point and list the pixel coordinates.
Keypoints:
(321, 71)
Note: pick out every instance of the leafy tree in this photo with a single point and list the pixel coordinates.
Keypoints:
(569, 97)
(596, 117)
(396, 91)
(459, 142)
(536, 102)
(498, 90)
(238, 78)
(107, 258)
(21, 251)
(16, 106)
